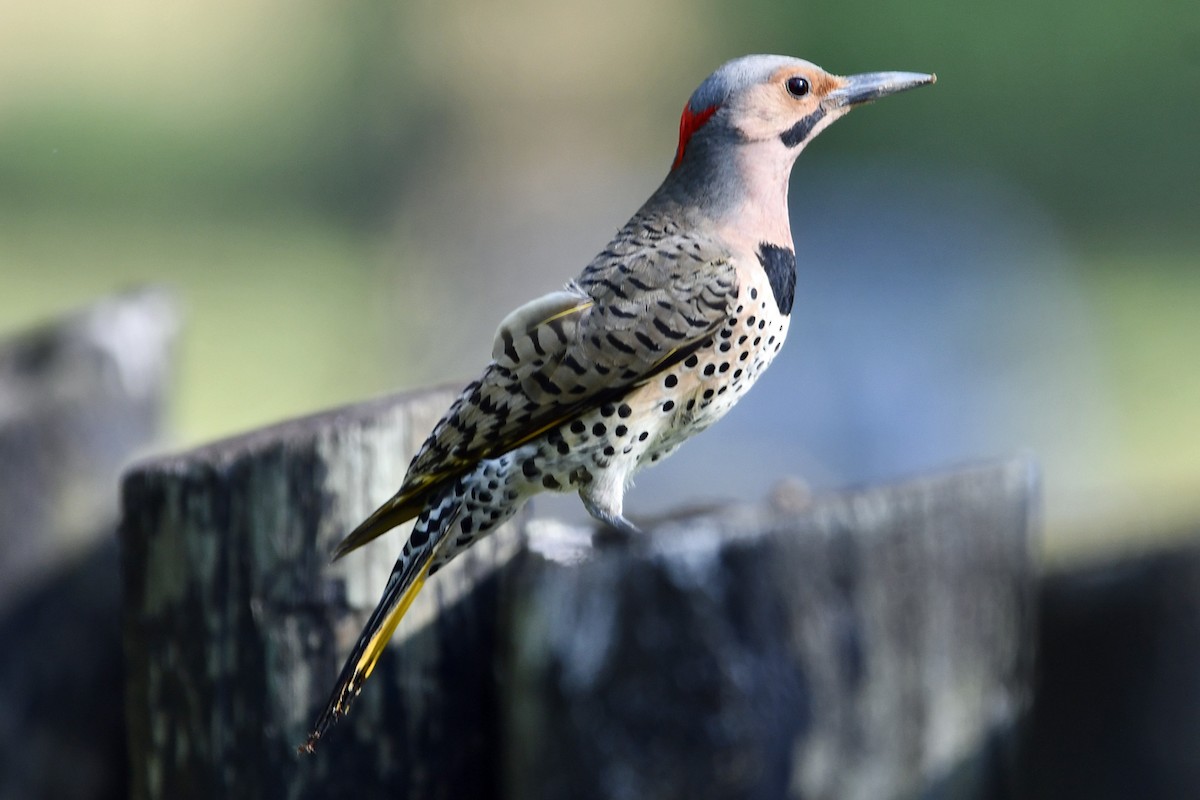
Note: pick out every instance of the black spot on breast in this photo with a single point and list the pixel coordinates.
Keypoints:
(780, 266)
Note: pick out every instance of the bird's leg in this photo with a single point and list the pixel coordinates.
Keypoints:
(614, 522)
(606, 509)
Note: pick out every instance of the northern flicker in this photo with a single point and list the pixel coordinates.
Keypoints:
(656, 340)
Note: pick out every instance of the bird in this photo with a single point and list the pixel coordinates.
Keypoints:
(654, 341)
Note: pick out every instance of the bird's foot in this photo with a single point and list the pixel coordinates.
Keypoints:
(616, 531)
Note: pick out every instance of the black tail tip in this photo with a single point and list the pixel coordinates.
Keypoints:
(326, 721)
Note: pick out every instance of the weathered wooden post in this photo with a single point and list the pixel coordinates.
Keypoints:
(79, 396)
(1117, 712)
(236, 621)
(871, 645)
(857, 645)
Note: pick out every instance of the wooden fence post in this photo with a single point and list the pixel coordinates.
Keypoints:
(80, 396)
(875, 645)
(868, 642)
(236, 622)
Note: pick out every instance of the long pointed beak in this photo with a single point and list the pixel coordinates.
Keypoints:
(871, 86)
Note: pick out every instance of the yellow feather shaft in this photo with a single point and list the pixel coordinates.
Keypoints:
(379, 641)
(568, 312)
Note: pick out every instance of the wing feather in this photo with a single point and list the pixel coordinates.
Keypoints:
(645, 303)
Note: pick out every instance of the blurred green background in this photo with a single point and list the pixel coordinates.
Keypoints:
(349, 195)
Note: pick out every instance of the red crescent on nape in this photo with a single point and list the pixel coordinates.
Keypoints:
(689, 123)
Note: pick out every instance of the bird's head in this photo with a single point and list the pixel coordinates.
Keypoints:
(774, 105)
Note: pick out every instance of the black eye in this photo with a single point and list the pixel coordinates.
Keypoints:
(797, 86)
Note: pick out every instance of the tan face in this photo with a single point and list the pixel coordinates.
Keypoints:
(792, 96)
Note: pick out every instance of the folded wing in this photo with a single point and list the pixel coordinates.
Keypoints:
(639, 308)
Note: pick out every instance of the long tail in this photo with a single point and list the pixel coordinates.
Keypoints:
(405, 582)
